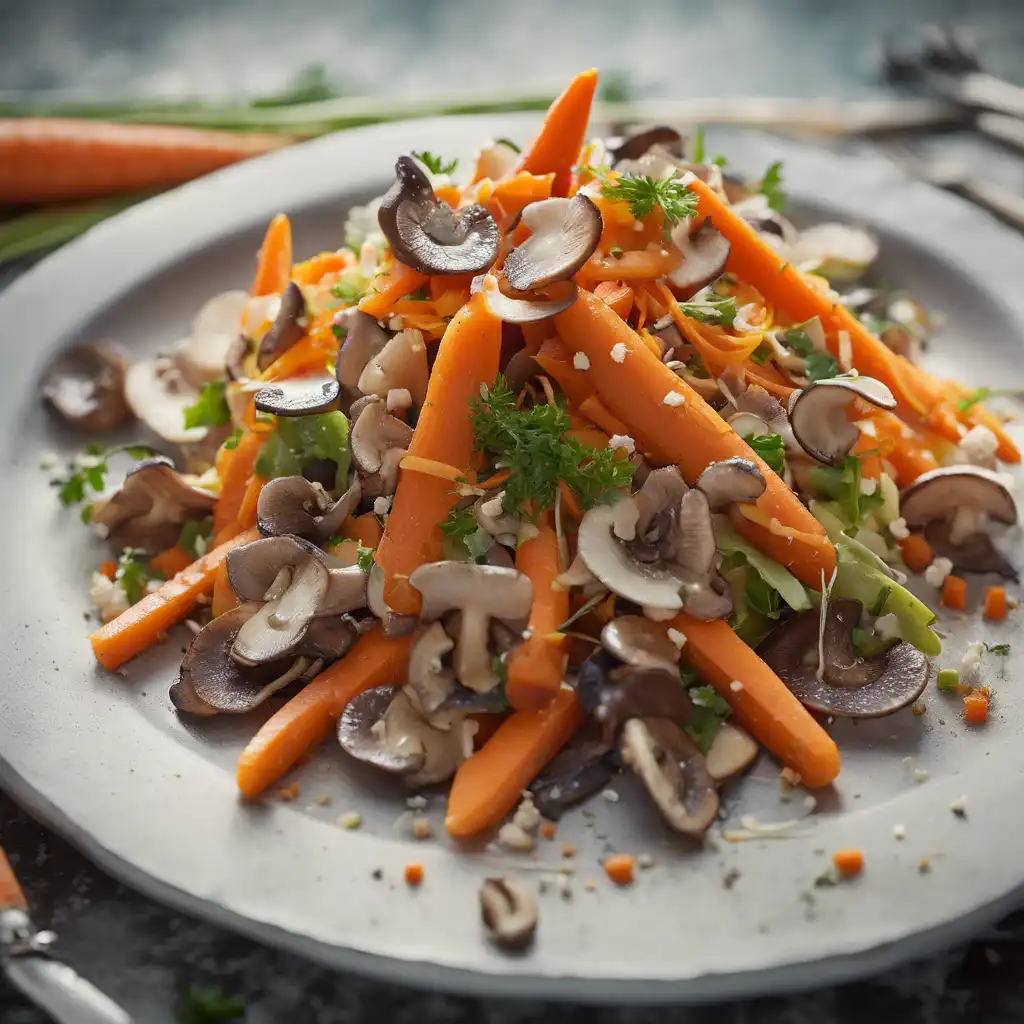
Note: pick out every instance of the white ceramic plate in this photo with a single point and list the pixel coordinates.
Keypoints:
(104, 759)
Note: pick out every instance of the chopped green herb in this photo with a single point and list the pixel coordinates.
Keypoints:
(195, 536)
(770, 448)
(711, 311)
(499, 666)
(948, 680)
(1001, 649)
(798, 340)
(697, 149)
(434, 163)
(299, 440)
(209, 1006)
(420, 295)
(364, 558)
(349, 291)
(719, 161)
(761, 354)
(88, 472)
(643, 194)
(826, 880)
(770, 186)
(709, 712)
(530, 444)
(133, 573)
(210, 408)
(232, 442)
(820, 366)
(466, 534)
(976, 396)
(339, 331)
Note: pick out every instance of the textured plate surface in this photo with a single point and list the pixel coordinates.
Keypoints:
(104, 759)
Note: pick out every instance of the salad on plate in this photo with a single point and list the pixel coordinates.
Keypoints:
(570, 461)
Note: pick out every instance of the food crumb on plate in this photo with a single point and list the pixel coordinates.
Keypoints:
(350, 820)
(289, 793)
(514, 839)
(322, 801)
(959, 806)
(421, 828)
(644, 861)
(899, 832)
(413, 874)
(924, 865)
(416, 803)
(568, 850)
(610, 795)
(920, 774)
(590, 885)
(731, 877)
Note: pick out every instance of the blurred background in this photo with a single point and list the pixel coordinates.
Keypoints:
(206, 61)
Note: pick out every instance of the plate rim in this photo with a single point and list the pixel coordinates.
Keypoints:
(254, 186)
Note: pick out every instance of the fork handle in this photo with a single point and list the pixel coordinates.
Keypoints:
(1002, 203)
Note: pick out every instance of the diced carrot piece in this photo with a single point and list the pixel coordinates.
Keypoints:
(848, 863)
(976, 707)
(108, 569)
(954, 593)
(917, 552)
(413, 874)
(619, 868)
(548, 830)
(170, 562)
(994, 607)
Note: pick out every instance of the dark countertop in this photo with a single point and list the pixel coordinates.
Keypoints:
(144, 954)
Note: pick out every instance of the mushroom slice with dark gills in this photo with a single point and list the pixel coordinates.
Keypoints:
(151, 505)
(612, 692)
(673, 772)
(565, 233)
(301, 396)
(634, 146)
(429, 679)
(819, 414)
(481, 593)
(85, 387)
(429, 235)
(657, 549)
(576, 774)
(379, 442)
(847, 685)
(364, 339)
(730, 481)
(526, 307)
(293, 505)
(704, 256)
(287, 329)
(386, 727)
(212, 682)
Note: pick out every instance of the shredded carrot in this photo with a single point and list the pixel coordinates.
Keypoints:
(306, 356)
(619, 868)
(108, 569)
(954, 593)
(848, 863)
(917, 552)
(432, 467)
(414, 874)
(236, 479)
(169, 562)
(247, 510)
(398, 282)
(994, 607)
(976, 707)
(648, 264)
(618, 295)
(317, 267)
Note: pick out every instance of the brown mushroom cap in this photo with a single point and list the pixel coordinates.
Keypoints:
(673, 772)
(364, 339)
(400, 365)
(851, 687)
(574, 775)
(730, 481)
(526, 309)
(976, 553)
(301, 396)
(85, 387)
(935, 494)
(637, 641)
(287, 328)
(151, 505)
(705, 253)
(639, 143)
(356, 733)
(292, 505)
(429, 235)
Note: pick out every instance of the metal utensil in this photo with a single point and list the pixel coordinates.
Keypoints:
(29, 966)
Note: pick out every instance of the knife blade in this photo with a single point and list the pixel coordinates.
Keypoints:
(50, 984)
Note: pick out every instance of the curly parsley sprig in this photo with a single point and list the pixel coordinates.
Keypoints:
(88, 473)
(643, 194)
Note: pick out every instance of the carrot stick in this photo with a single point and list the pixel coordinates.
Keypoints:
(247, 510)
(764, 706)
(596, 411)
(466, 358)
(756, 263)
(317, 267)
(618, 295)
(536, 666)
(691, 434)
(490, 783)
(224, 598)
(555, 358)
(144, 623)
(225, 534)
(171, 562)
(297, 727)
(235, 480)
(48, 160)
(365, 528)
(274, 262)
(398, 282)
(558, 144)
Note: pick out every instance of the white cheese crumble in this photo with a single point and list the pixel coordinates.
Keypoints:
(742, 321)
(887, 626)
(868, 486)
(381, 505)
(674, 398)
(936, 573)
(899, 832)
(970, 663)
(644, 861)
(618, 352)
(581, 361)
(679, 639)
(108, 597)
(623, 441)
(610, 795)
(735, 686)
(898, 528)
(959, 805)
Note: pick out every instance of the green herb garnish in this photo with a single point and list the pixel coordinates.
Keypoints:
(348, 291)
(232, 442)
(710, 311)
(133, 573)
(339, 331)
(195, 536)
(770, 448)
(1001, 649)
(643, 194)
(210, 408)
(364, 558)
(209, 1006)
(976, 396)
(709, 712)
(89, 472)
(820, 366)
(697, 150)
(770, 186)
(466, 534)
(761, 354)
(434, 163)
(530, 444)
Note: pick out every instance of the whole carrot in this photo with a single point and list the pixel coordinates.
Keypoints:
(466, 358)
(48, 160)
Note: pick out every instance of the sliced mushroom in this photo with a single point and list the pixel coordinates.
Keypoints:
(731, 481)
(429, 235)
(819, 415)
(528, 309)
(574, 775)
(210, 681)
(400, 365)
(469, 702)
(641, 643)
(939, 492)
(85, 387)
(158, 395)
(640, 143)
(848, 686)
(481, 593)
(301, 396)
(496, 160)
(976, 553)
(704, 256)
(565, 233)
(329, 637)
(359, 734)
(364, 339)
(611, 692)
(839, 252)
(374, 434)
(673, 772)
(202, 356)
(287, 329)
(293, 505)
(429, 679)
(509, 913)
(150, 506)
(732, 750)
